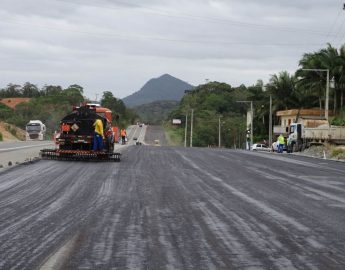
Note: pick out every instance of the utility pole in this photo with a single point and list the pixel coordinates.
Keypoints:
(251, 120)
(191, 129)
(251, 123)
(327, 96)
(219, 132)
(270, 123)
(185, 130)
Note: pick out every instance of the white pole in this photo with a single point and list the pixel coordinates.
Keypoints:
(219, 132)
(270, 123)
(251, 123)
(327, 96)
(185, 131)
(191, 129)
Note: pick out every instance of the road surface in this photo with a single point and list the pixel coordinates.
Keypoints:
(20, 151)
(174, 208)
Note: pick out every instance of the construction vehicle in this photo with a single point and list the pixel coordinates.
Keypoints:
(35, 130)
(74, 140)
(301, 136)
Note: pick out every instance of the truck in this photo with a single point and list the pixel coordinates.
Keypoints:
(35, 130)
(302, 136)
(75, 137)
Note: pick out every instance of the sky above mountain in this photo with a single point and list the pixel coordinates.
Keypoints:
(110, 45)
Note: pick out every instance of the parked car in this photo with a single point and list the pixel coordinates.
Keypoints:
(260, 147)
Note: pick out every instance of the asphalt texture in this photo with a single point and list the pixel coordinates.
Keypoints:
(174, 208)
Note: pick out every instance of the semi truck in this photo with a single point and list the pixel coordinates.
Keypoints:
(35, 130)
(301, 136)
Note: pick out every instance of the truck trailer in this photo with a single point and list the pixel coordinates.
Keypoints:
(301, 136)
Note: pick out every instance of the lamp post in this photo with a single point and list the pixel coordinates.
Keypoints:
(185, 130)
(191, 129)
(270, 123)
(251, 119)
(327, 87)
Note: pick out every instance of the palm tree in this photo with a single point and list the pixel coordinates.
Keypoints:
(331, 60)
(282, 88)
(311, 83)
(342, 74)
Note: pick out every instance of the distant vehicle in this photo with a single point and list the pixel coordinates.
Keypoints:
(35, 130)
(260, 147)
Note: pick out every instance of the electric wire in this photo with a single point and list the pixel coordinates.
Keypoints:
(155, 38)
(203, 18)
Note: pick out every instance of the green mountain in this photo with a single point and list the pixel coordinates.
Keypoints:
(165, 87)
(157, 111)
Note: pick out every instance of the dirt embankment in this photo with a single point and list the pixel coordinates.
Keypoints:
(13, 102)
(11, 133)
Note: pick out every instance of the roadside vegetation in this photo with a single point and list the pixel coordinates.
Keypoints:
(51, 103)
(302, 90)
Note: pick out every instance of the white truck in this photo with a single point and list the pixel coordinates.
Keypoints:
(302, 136)
(35, 130)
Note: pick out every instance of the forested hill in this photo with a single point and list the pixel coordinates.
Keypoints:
(165, 87)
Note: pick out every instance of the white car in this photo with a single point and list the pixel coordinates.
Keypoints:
(260, 147)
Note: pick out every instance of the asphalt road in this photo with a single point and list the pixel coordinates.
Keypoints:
(174, 208)
(21, 151)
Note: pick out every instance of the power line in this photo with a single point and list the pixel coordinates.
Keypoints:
(155, 38)
(202, 18)
(333, 25)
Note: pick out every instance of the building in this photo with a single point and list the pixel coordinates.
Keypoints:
(308, 117)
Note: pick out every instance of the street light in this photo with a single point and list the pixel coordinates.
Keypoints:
(219, 131)
(327, 87)
(191, 129)
(264, 88)
(185, 130)
(251, 119)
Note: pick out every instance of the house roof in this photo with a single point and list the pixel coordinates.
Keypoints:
(303, 112)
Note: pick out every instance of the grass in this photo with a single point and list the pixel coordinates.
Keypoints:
(173, 135)
(338, 153)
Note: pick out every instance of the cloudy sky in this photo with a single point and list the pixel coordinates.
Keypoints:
(110, 45)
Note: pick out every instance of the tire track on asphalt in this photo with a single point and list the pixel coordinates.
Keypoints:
(311, 241)
(55, 193)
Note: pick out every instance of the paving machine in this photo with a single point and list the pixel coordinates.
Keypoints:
(74, 140)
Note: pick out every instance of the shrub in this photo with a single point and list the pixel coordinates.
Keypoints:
(1, 137)
(338, 153)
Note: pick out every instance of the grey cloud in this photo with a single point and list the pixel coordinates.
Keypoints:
(109, 44)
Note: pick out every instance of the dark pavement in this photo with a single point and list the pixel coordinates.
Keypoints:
(174, 208)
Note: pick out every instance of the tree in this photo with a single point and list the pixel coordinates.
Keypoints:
(30, 90)
(282, 88)
(51, 90)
